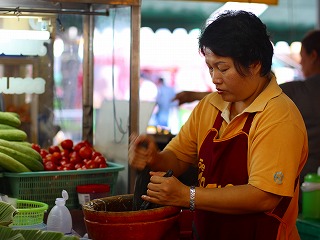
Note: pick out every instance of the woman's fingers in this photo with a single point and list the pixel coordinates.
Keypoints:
(159, 174)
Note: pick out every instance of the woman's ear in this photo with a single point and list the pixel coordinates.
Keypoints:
(255, 68)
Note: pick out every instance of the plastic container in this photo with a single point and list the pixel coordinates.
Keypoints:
(59, 218)
(30, 213)
(308, 229)
(311, 196)
(89, 192)
(45, 186)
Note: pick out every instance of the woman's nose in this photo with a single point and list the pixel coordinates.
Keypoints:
(216, 78)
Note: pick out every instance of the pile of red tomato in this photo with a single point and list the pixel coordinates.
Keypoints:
(67, 156)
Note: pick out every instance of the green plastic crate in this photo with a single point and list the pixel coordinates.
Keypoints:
(308, 229)
(46, 186)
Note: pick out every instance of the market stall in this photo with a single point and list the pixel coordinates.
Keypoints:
(53, 65)
(74, 77)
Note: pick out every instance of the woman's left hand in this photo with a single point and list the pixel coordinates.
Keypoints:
(167, 191)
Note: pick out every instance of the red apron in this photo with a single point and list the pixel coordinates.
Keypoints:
(223, 162)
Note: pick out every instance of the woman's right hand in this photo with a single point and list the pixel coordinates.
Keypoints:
(142, 151)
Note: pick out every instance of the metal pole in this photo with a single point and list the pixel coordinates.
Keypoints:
(134, 83)
(87, 85)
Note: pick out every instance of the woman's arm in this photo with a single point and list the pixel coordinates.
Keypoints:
(143, 152)
(240, 199)
(235, 199)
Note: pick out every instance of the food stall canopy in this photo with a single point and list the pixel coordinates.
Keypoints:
(287, 21)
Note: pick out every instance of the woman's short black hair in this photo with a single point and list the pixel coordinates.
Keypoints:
(242, 36)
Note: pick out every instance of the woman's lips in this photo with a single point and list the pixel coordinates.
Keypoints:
(219, 91)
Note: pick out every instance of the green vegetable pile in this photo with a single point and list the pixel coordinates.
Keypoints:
(16, 154)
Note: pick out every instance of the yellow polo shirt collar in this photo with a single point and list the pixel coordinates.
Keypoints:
(258, 105)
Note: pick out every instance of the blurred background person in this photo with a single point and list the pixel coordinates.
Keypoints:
(305, 94)
(164, 102)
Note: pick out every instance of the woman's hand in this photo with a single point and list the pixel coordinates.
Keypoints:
(167, 191)
(142, 151)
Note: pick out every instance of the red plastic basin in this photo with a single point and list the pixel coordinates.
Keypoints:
(112, 217)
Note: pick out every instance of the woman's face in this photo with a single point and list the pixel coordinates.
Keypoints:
(306, 62)
(232, 86)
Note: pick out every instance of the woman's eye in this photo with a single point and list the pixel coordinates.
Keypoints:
(223, 69)
(211, 69)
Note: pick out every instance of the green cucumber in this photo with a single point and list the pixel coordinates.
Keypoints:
(17, 115)
(9, 119)
(6, 126)
(25, 143)
(19, 146)
(13, 134)
(12, 165)
(29, 162)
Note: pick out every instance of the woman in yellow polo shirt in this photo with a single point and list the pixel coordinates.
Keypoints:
(248, 140)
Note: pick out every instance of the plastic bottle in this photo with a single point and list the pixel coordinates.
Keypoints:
(311, 196)
(59, 218)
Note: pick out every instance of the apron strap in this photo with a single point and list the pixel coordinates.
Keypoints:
(247, 125)
(218, 122)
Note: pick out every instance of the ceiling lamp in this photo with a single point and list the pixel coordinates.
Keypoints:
(255, 8)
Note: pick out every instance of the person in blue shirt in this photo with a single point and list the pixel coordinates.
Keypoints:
(164, 102)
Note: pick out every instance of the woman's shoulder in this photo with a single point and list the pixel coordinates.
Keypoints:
(282, 109)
